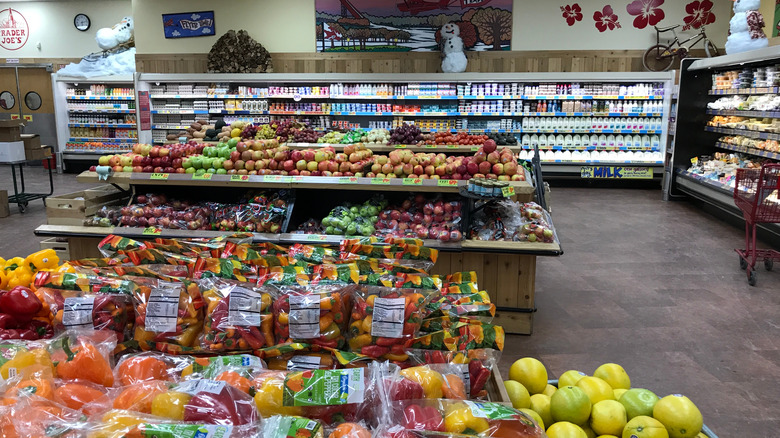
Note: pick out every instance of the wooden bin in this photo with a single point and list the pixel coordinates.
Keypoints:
(73, 208)
(508, 278)
(60, 245)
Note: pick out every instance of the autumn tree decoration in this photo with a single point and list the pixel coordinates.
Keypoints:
(237, 52)
(494, 26)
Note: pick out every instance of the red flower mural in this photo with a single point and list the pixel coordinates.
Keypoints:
(646, 11)
(606, 19)
(699, 14)
(573, 13)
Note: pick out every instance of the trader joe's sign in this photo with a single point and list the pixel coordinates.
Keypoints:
(189, 24)
(14, 30)
(614, 172)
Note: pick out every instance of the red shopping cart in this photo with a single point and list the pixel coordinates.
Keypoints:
(757, 194)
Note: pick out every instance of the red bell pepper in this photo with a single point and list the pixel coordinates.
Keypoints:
(230, 406)
(405, 389)
(418, 417)
(20, 302)
(478, 375)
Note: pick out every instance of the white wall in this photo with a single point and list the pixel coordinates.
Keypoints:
(279, 25)
(538, 25)
(51, 24)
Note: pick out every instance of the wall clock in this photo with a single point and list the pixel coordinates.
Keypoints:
(82, 22)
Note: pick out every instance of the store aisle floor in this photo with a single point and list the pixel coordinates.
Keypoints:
(650, 285)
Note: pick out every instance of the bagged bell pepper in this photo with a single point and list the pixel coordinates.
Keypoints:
(335, 274)
(251, 251)
(302, 361)
(137, 397)
(84, 355)
(350, 430)
(84, 283)
(169, 316)
(238, 316)
(462, 337)
(76, 309)
(25, 360)
(211, 367)
(474, 366)
(146, 366)
(283, 276)
(33, 416)
(269, 395)
(112, 245)
(79, 395)
(313, 254)
(216, 402)
(384, 321)
(315, 315)
(178, 430)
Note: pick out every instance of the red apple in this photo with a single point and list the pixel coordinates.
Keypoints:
(489, 146)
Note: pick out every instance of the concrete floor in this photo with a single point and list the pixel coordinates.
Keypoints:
(650, 285)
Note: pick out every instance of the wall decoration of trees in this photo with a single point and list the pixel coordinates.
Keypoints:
(410, 25)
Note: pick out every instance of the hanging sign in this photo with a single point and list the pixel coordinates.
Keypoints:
(188, 24)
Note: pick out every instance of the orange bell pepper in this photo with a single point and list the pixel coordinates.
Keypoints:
(142, 368)
(84, 362)
(75, 395)
(139, 397)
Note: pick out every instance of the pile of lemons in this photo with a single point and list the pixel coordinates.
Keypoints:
(602, 405)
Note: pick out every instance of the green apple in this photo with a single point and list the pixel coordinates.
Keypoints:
(189, 170)
(221, 171)
(187, 163)
(233, 142)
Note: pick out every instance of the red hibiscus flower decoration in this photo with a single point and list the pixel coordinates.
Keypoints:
(573, 13)
(699, 14)
(646, 12)
(606, 19)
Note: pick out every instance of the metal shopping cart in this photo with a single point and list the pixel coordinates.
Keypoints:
(757, 194)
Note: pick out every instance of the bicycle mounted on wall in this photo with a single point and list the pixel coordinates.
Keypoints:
(660, 57)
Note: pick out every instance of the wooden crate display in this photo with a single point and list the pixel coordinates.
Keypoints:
(508, 278)
(73, 208)
(60, 245)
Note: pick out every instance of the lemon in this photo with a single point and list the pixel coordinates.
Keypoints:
(570, 378)
(606, 436)
(549, 390)
(564, 429)
(680, 416)
(608, 417)
(596, 389)
(518, 395)
(644, 427)
(531, 373)
(638, 401)
(533, 414)
(571, 404)
(618, 393)
(588, 431)
(540, 404)
(613, 374)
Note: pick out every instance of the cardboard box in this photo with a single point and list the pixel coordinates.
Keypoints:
(5, 211)
(40, 153)
(11, 151)
(31, 141)
(10, 130)
(73, 208)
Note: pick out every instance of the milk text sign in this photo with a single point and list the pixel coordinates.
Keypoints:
(14, 30)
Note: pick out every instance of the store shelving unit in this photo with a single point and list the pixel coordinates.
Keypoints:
(634, 125)
(93, 111)
(696, 138)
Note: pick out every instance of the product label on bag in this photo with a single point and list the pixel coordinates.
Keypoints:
(295, 427)
(77, 312)
(244, 307)
(304, 316)
(186, 431)
(491, 411)
(193, 387)
(388, 318)
(324, 387)
(162, 309)
(304, 363)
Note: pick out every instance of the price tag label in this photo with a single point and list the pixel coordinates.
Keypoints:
(160, 176)
(297, 97)
(380, 181)
(412, 181)
(317, 237)
(151, 231)
(430, 146)
(400, 146)
(304, 363)
(474, 148)
(193, 387)
(447, 183)
(241, 178)
(508, 191)
(202, 177)
(452, 146)
(348, 180)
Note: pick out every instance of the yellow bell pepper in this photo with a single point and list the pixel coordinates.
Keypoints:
(43, 259)
(170, 405)
(430, 380)
(3, 280)
(26, 362)
(21, 276)
(116, 423)
(458, 418)
(270, 399)
(65, 267)
(12, 264)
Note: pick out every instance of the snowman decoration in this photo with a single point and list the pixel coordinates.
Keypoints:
(746, 28)
(454, 60)
(110, 38)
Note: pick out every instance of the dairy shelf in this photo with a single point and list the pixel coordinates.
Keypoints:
(100, 97)
(751, 151)
(743, 132)
(741, 113)
(405, 97)
(101, 125)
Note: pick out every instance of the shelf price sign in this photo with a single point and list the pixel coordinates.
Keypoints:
(151, 231)
(348, 180)
(317, 237)
(380, 181)
(159, 176)
(202, 176)
(412, 181)
(239, 178)
(447, 183)
(508, 191)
